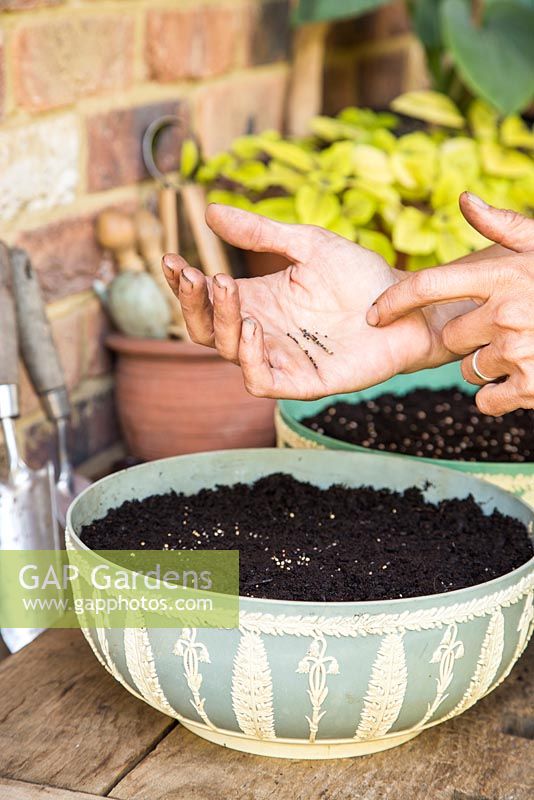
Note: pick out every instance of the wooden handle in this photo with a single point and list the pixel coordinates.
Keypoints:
(150, 236)
(168, 212)
(8, 326)
(210, 248)
(36, 342)
(115, 231)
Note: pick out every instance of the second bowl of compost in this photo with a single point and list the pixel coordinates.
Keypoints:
(428, 415)
(375, 600)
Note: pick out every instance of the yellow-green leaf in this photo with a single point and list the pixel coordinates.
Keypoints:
(379, 243)
(414, 164)
(250, 174)
(483, 119)
(462, 154)
(449, 247)
(327, 181)
(358, 207)
(285, 177)
(343, 227)
(516, 133)
(415, 263)
(448, 187)
(503, 162)
(371, 164)
(315, 207)
(291, 154)
(384, 140)
(413, 232)
(229, 199)
(522, 191)
(213, 168)
(431, 107)
(247, 146)
(337, 158)
(281, 209)
(189, 158)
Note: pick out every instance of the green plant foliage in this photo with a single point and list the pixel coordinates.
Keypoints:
(495, 60)
(395, 194)
(189, 158)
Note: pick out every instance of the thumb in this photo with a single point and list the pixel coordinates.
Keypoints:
(507, 228)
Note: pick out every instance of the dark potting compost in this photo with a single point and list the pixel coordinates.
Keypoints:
(435, 424)
(299, 542)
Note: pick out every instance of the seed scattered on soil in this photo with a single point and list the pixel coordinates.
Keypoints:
(436, 424)
(299, 542)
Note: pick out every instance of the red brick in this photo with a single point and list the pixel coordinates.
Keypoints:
(196, 42)
(339, 88)
(2, 76)
(65, 255)
(96, 328)
(114, 143)
(380, 79)
(271, 32)
(93, 428)
(68, 332)
(383, 23)
(60, 61)
(252, 102)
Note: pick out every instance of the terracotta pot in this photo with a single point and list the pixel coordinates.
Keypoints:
(178, 397)
(260, 264)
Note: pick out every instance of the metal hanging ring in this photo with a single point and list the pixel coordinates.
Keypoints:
(149, 147)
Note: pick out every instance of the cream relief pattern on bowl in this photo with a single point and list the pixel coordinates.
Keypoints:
(319, 680)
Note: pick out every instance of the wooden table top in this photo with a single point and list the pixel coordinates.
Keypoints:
(68, 731)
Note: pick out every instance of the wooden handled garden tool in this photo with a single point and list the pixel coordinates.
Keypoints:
(40, 356)
(115, 231)
(27, 497)
(150, 240)
(211, 250)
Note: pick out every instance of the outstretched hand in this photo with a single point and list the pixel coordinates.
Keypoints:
(301, 333)
(500, 326)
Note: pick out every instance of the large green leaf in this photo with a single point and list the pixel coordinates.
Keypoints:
(316, 10)
(496, 61)
(426, 21)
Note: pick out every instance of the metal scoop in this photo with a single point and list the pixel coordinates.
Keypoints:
(27, 497)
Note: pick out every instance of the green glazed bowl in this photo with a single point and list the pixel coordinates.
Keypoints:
(516, 478)
(318, 680)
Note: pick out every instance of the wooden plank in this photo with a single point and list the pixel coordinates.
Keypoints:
(469, 758)
(65, 722)
(19, 790)
(210, 248)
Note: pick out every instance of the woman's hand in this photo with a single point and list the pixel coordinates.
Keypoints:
(500, 328)
(318, 305)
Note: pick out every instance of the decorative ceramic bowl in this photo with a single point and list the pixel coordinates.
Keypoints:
(291, 432)
(319, 680)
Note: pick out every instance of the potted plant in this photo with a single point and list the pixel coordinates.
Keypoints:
(276, 682)
(360, 175)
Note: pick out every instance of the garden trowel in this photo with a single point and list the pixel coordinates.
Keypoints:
(41, 359)
(27, 498)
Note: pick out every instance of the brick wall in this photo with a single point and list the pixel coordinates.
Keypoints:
(372, 59)
(80, 80)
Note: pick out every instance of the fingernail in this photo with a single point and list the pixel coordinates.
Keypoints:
(476, 200)
(169, 267)
(373, 317)
(186, 284)
(248, 329)
(217, 282)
